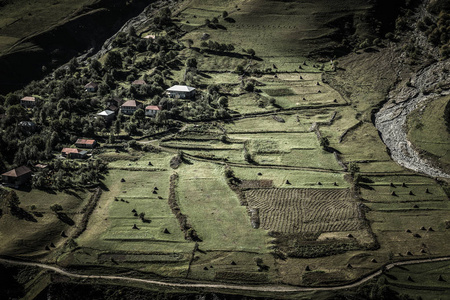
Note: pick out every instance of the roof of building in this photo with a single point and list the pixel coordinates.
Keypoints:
(85, 141)
(149, 36)
(27, 124)
(91, 85)
(180, 88)
(29, 98)
(17, 172)
(70, 150)
(105, 113)
(131, 103)
(139, 82)
(152, 107)
(41, 166)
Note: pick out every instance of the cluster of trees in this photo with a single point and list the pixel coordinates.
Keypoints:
(62, 174)
(438, 32)
(215, 46)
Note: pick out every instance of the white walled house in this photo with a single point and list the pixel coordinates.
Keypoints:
(181, 91)
(152, 110)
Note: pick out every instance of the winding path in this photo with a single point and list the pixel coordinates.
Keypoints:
(223, 286)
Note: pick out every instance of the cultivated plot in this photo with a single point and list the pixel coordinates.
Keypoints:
(305, 210)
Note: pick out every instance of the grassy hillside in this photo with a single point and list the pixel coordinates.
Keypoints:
(37, 34)
(428, 132)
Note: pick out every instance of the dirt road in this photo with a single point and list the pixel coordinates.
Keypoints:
(221, 286)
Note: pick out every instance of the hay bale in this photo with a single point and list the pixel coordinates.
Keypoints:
(135, 227)
(159, 197)
(430, 229)
(278, 118)
(423, 251)
(233, 263)
(407, 230)
(63, 234)
(422, 228)
(155, 188)
(427, 191)
(47, 248)
(411, 193)
(122, 180)
(350, 235)
(404, 184)
(259, 174)
(415, 206)
(287, 182)
(52, 245)
(319, 183)
(440, 278)
(135, 214)
(307, 268)
(349, 266)
(409, 278)
(392, 185)
(409, 253)
(393, 193)
(133, 210)
(416, 235)
(335, 184)
(374, 260)
(205, 268)
(150, 163)
(155, 192)
(166, 231)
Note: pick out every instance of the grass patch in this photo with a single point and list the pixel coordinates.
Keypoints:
(428, 133)
(214, 210)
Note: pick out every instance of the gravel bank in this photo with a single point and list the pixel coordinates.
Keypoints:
(402, 100)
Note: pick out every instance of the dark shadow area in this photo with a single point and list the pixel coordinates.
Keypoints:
(366, 186)
(230, 20)
(22, 214)
(63, 217)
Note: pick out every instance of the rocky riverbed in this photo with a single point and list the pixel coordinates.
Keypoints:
(428, 83)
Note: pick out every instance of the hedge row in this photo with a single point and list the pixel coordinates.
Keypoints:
(189, 233)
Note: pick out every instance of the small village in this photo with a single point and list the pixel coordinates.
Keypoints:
(22, 175)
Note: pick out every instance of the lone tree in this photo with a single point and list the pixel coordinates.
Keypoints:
(353, 168)
(191, 63)
(56, 207)
(324, 143)
(113, 60)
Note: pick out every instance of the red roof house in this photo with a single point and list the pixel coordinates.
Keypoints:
(85, 143)
(129, 107)
(17, 176)
(28, 101)
(152, 110)
(138, 82)
(73, 153)
(91, 87)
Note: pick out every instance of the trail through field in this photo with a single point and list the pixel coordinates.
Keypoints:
(223, 286)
